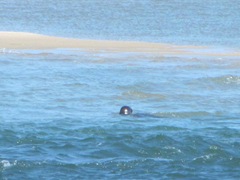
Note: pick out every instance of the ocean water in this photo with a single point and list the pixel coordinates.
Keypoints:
(214, 22)
(59, 108)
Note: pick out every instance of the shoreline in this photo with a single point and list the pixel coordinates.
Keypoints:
(31, 41)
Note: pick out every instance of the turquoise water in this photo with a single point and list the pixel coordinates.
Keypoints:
(59, 108)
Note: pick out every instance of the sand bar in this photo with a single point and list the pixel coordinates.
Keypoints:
(23, 40)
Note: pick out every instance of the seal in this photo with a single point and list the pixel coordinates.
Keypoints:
(126, 110)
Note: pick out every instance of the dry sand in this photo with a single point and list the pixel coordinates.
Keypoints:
(22, 40)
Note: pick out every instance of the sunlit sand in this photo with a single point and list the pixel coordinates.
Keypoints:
(23, 40)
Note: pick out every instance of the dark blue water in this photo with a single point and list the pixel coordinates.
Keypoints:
(59, 108)
(59, 115)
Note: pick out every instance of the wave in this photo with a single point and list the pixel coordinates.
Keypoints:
(222, 80)
(135, 94)
(228, 79)
(8, 51)
(190, 114)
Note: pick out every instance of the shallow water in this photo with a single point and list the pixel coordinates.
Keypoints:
(59, 108)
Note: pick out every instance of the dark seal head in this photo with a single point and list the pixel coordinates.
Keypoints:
(126, 110)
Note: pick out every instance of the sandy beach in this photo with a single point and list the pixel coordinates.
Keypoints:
(23, 40)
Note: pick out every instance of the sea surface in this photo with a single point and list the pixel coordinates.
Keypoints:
(59, 109)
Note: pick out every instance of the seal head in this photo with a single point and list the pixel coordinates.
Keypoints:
(126, 110)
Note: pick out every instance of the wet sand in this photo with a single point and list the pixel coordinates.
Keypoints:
(23, 40)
